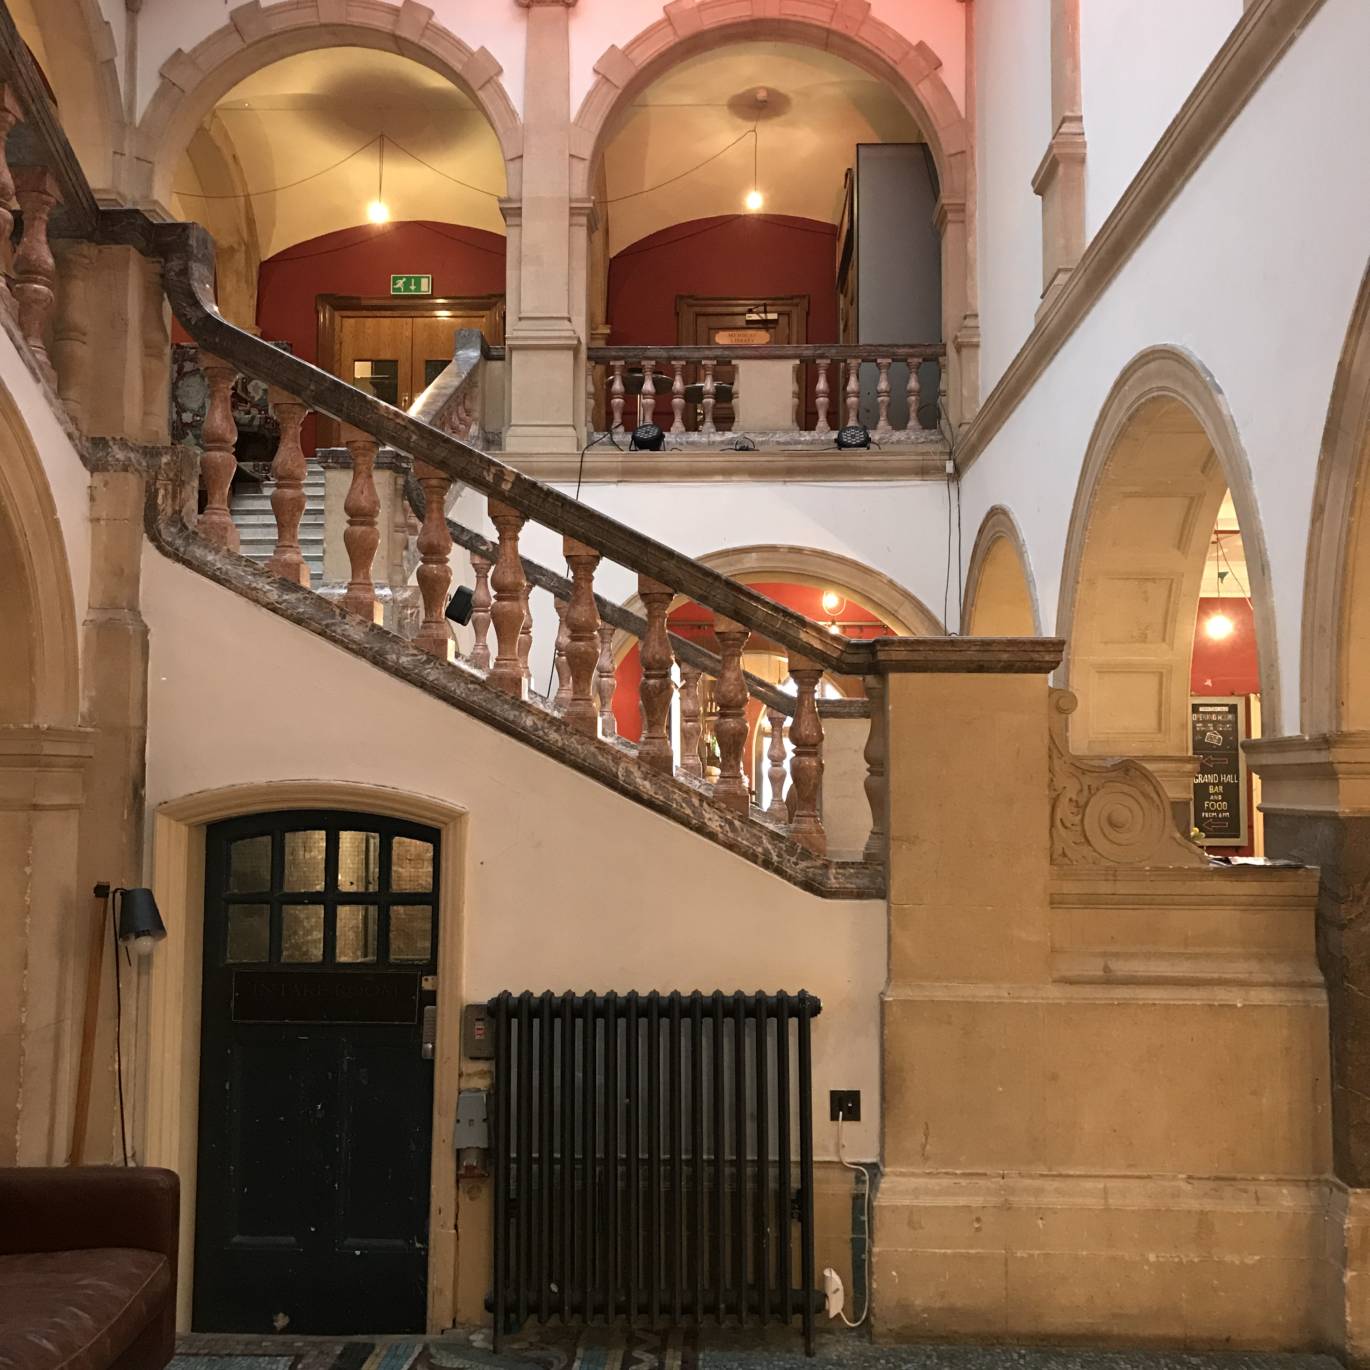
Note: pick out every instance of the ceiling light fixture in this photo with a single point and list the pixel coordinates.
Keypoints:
(754, 198)
(378, 211)
(832, 602)
(1218, 626)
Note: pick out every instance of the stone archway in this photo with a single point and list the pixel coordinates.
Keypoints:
(912, 70)
(1162, 455)
(257, 36)
(1335, 658)
(1001, 595)
(43, 758)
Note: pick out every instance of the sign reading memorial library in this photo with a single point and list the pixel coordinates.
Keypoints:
(1218, 726)
(411, 285)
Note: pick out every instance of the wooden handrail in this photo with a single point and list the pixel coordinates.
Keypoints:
(803, 352)
(186, 252)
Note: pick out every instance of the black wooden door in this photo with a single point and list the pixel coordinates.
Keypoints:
(316, 1097)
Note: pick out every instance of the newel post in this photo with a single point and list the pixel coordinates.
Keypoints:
(218, 438)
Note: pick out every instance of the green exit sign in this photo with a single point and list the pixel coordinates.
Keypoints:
(411, 285)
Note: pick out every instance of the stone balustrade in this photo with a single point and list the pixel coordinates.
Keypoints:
(775, 396)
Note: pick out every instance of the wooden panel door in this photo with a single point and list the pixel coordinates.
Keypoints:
(316, 1087)
(375, 355)
(701, 318)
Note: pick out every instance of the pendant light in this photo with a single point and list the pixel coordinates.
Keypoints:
(378, 211)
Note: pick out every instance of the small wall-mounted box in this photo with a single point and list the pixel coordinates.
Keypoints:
(477, 1038)
(473, 1123)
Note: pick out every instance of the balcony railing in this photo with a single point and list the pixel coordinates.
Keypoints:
(770, 395)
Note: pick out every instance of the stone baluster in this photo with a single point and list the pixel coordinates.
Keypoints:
(561, 660)
(775, 764)
(853, 389)
(876, 792)
(589, 396)
(656, 688)
(434, 575)
(806, 762)
(288, 468)
(526, 639)
(647, 404)
(708, 720)
(508, 611)
(882, 396)
(941, 390)
(678, 397)
(582, 618)
(218, 438)
(730, 789)
(616, 397)
(362, 536)
(821, 395)
(914, 392)
(35, 270)
(11, 112)
(480, 612)
(606, 679)
(690, 731)
(707, 399)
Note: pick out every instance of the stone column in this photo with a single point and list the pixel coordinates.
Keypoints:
(1060, 178)
(546, 392)
(1315, 798)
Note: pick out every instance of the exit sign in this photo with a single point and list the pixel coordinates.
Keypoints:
(411, 285)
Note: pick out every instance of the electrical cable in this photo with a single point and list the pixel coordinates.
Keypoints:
(118, 1029)
(689, 171)
(276, 190)
(866, 1234)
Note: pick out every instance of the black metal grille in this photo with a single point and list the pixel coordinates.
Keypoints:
(653, 1158)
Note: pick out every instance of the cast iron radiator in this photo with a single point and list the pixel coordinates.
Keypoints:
(653, 1159)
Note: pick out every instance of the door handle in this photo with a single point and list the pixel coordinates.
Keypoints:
(429, 1038)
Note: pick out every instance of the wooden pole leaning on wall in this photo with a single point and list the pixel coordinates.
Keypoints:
(90, 1020)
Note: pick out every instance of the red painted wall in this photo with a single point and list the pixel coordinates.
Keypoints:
(751, 255)
(359, 261)
(1229, 666)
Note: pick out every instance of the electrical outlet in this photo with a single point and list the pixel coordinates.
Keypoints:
(844, 1104)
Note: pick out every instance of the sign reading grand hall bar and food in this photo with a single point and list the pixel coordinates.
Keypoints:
(1218, 727)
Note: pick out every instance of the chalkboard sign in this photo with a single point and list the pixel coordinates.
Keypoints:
(1218, 725)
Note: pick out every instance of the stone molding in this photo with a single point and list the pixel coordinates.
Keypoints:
(965, 655)
(1236, 73)
(1173, 373)
(257, 35)
(1108, 812)
(997, 525)
(1328, 774)
(783, 466)
(43, 767)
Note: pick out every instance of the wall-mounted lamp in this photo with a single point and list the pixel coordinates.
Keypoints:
(140, 924)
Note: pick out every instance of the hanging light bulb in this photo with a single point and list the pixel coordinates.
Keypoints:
(832, 602)
(754, 198)
(1218, 626)
(377, 211)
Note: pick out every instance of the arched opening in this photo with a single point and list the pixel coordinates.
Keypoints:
(1335, 685)
(832, 102)
(42, 759)
(1165, 599)
(1001, 600)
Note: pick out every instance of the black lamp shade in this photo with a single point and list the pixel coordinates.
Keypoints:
(460, 605)
(138, 916)
(647, 438)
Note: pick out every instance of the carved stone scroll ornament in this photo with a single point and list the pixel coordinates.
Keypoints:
(1107, 811)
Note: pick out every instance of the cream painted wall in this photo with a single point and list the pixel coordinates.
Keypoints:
(568, 884)
(1138, 64)
(1013, 125)
(67, 477)
(1258, 286)
(595, 24)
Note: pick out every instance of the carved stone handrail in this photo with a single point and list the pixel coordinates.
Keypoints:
(187, 255)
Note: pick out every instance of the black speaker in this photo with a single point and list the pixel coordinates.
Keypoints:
(853, 436)
(646, 438)
(459, 606)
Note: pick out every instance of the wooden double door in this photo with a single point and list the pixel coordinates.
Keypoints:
(316, 1075)
(395, 349)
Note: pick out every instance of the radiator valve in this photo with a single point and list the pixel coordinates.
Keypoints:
(834, 1297)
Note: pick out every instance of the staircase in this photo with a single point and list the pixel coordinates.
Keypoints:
(256, 523)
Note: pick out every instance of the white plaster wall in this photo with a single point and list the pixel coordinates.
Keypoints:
(1138, 64)
(67, 477)
(598, 24)
(897, 528)
(568, 884)
(1258, 284)
(1013, 126)
(166, 25)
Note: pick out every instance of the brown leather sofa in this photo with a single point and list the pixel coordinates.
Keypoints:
(87, 1268)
